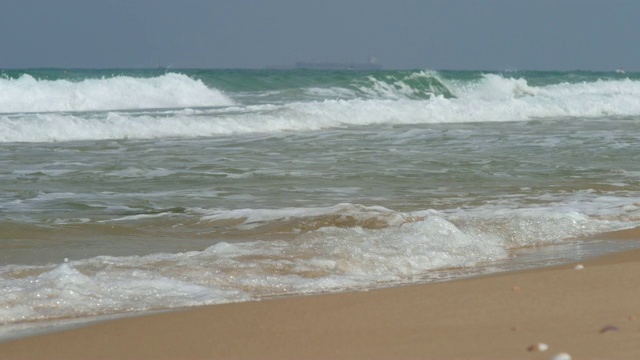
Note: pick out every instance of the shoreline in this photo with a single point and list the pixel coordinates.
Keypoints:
(525, 258)
(489, 316)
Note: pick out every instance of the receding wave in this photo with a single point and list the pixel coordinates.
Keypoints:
(332, 248)
(28, 94)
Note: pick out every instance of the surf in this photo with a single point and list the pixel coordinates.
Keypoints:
(222, 103)
(27, 94)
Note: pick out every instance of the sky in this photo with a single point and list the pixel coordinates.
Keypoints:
(401, 34)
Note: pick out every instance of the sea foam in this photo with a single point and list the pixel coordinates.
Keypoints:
(492, 98)
(28, 94)
(326, 259)
(346, 246)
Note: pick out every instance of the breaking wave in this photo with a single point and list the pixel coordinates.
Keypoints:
(175, 105)
(28, 94)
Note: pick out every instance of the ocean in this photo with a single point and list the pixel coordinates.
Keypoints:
(125, 191)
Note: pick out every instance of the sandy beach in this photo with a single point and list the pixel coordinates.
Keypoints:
(593, 312)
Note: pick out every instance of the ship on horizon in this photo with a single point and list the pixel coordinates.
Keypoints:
(371, 65)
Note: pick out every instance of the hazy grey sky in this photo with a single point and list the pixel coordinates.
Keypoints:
(435, 34)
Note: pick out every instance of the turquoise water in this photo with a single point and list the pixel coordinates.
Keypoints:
(133, 190)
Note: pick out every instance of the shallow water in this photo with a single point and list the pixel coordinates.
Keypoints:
(146, 191)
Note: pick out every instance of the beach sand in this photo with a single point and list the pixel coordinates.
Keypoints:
(496, 316)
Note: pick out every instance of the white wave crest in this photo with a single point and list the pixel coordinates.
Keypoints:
(27, 94)
(494, 87)
(492, 99)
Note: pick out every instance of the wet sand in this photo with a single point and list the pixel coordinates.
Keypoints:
(593, 312)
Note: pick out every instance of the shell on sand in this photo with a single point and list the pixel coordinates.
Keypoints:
(538, 347)
(561, 356)
(609, 328)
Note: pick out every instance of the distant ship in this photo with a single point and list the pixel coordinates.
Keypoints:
(337, 66)
(371, 65)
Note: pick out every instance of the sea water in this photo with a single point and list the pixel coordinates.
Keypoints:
(134, 190)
